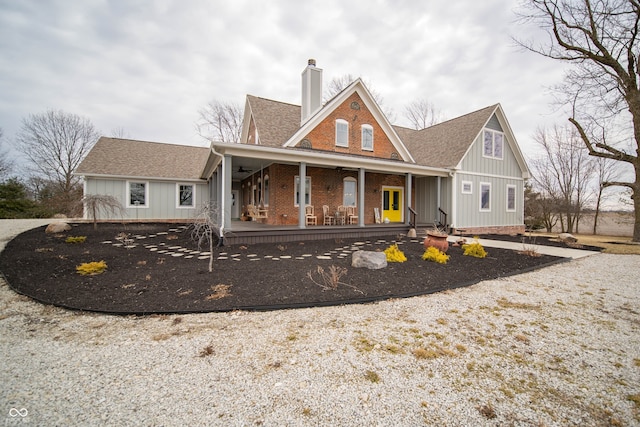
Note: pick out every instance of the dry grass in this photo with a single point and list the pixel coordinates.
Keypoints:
(621, 245)
(219, 291)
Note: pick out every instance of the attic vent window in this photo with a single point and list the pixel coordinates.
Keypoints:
(305, 143)
(394, 156)
(355, 105)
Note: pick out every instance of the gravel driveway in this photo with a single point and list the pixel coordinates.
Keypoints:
(559, 346)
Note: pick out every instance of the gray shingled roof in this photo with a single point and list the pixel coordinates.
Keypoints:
(442, 145)
(276, 121)
(125, 157)
(445, 144)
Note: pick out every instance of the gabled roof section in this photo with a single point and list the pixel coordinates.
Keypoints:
(141, 159)
(445, 144)
(275, 121)
(357, 86)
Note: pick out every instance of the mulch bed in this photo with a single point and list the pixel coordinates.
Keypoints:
(152, 278)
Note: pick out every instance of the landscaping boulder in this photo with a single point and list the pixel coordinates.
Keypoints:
(369, 259)
(567, 238)
(57, 227)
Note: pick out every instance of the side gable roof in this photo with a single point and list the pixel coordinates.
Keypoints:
(276, 121)
(129, 158)
(445, 144)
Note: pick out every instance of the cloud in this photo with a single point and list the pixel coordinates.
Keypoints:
(148, 67)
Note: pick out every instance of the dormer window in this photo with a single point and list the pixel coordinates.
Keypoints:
(367, 137)
(342, 133)
(493, 144)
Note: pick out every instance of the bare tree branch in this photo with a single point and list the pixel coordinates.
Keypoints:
(421, 114)
(220, 121)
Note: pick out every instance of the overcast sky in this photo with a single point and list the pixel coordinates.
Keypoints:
(147, 67)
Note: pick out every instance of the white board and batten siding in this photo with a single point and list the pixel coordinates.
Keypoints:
(478, 170)
(162, 198)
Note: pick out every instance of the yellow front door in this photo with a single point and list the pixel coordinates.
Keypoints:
(392, 202)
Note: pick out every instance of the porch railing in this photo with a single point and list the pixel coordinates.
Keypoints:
(442, 220)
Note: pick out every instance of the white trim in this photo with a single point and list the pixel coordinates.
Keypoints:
(128, 194)
(193, 195)
(515, 198)
(296, 178)
(362, 134)
(265, 190)
(480, 185)
(355, 196)
(403, 202)
(319, 158)
(493, 134)
(141, 178)
(488, 175)
(462, 189)
(345, 144)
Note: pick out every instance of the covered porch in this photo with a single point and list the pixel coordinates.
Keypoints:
(271, 188)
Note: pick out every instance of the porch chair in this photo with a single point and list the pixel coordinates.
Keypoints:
(341, 215)
(352, 215)
(309, 216)
(328, 218)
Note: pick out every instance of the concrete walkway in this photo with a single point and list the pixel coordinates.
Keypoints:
(541, 249)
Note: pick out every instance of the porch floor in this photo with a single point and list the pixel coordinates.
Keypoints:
(251, 232)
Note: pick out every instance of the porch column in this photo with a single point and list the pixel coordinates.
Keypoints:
(361, 187)
(454, 200)
(408, 187)
(225, 185)
(438, 197)
(302, 195)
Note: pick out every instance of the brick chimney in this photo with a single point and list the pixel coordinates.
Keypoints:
(311, 90)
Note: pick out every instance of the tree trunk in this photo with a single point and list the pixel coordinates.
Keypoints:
(636, 205)
(210, 250)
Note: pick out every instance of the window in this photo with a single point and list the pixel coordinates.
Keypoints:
(485, 196)
(186, 196)
(367, 137)
(307, 191)
(511, 198)
(342, 133)
(467, 187)
(493, 144)
(349, 191)
(138, 194)
(266, 191)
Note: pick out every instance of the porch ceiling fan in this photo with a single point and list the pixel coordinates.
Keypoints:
(243, 170)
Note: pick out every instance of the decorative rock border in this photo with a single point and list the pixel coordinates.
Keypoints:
(177, 251)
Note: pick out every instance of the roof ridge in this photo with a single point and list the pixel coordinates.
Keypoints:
(273, 100)
(153, 142)
(460, 117)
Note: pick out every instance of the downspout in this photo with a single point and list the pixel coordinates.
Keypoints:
(222, 217)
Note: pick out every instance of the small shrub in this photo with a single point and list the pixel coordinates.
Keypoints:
(91, 268)
(435, 255)
(394, 254)
(474, 249)
(76, 239)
